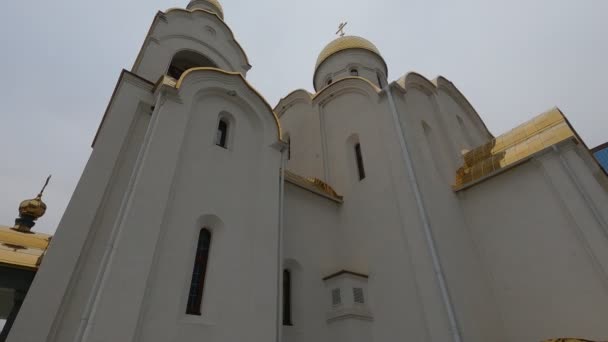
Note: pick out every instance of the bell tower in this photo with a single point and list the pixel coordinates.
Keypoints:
(194, 37)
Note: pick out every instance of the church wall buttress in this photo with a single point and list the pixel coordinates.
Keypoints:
(92, 255)
(57, 286)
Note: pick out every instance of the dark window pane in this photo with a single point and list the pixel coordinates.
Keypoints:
(360, 167)
(195, 298)
(222, 134)
(287, 298)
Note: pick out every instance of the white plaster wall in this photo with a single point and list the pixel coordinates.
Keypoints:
(311, 240)
(374, 217)
(466, 134)
(434, 165)
(198, 31)
(300, 122)
(338, 66)
(211, 181)
(90, 258)
(542, 245)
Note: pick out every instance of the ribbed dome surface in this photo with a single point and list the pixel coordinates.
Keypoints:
(345, 43)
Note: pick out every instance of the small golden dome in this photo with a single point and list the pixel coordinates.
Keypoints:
(214, 3)
(33, 207)
(346, 43)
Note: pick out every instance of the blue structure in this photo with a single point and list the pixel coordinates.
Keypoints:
(601, 154)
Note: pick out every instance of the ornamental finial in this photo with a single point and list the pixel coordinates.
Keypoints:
(44, 187)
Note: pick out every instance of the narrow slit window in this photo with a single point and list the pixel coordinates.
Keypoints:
(359, 156)
(287, 298)
(195, 298)
(221, 137)
(379, 80)
(288, 148)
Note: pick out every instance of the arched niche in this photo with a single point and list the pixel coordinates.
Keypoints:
(187, 59)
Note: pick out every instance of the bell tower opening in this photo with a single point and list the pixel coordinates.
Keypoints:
(185, 60)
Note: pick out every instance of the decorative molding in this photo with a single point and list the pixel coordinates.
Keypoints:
(355, 313)
(345, 272)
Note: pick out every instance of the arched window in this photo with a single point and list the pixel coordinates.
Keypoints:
(287, 298)
(221, 136)
(329, 81)
(359, 158)
(185, 60)
(354, 72)
(195, 298)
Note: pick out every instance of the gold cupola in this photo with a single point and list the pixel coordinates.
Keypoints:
(334, 62)
(31, 210)
(346, 43)
(208, 5)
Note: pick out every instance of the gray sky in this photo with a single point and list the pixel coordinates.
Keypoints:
(512, 59)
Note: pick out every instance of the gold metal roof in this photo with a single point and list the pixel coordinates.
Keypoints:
(514, 147)
(313, 184)
(22, 250)
(345, 43)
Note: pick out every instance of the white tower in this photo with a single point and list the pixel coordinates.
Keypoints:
(149, 248)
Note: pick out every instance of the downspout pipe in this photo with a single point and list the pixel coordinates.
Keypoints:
(279, 299)
(422, 211)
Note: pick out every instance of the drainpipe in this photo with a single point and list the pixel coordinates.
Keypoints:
(422, 211)
(279, 299)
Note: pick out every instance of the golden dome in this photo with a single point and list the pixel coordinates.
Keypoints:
(214, 3)
(33, 207)
(346, 43)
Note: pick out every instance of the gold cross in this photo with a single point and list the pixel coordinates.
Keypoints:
(341, 29)
(45, 185)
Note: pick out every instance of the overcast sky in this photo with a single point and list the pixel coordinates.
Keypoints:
(512, 59)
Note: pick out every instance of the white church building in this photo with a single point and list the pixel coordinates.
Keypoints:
(367, 211)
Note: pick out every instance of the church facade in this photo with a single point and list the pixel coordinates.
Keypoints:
(367, 211)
